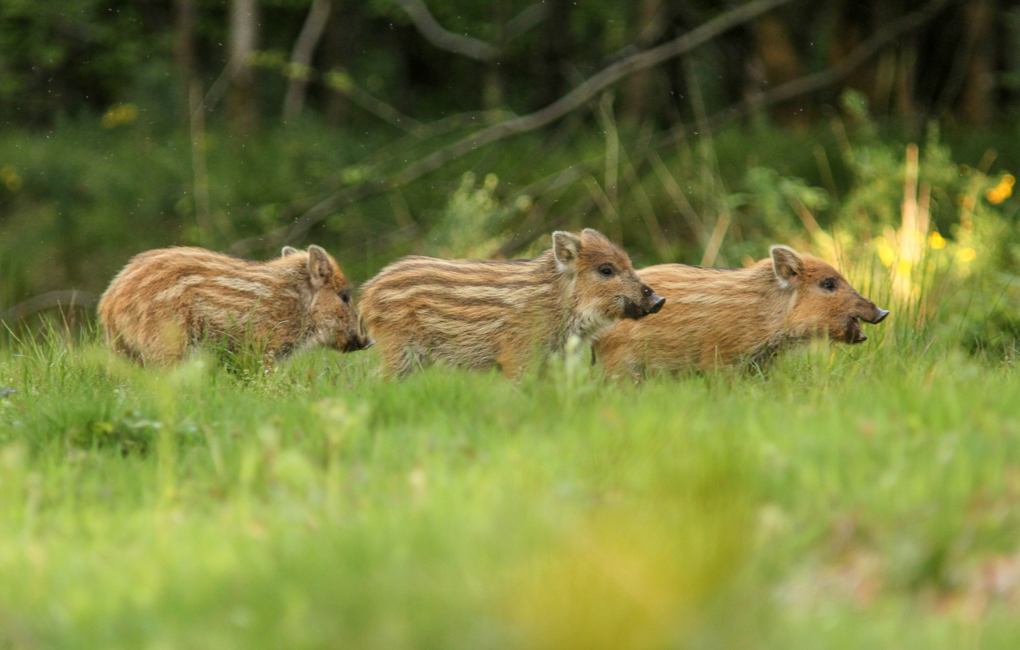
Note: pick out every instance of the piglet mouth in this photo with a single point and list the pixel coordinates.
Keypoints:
(878, 316)
(854, 333)
(357, 343)
(657, 303)
(635, 310)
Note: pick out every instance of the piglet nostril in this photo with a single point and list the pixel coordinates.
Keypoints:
(657, 303)
(882, 313)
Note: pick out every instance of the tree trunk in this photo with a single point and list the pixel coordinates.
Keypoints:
(682, 19)
(337, 50)
(184, 53)
(736, 54)
(853, 26)
(781, 63)
(493, 88)
(977, 100)
(301, 59)
(906, 78)
(242, 102)
(552, 75)
(635, 94)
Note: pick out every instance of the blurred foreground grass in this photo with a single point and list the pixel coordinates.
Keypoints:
(855, 498)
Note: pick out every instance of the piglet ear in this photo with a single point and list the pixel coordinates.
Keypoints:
(566, 249)
(288, 250)
(319, 268)
(786, 264)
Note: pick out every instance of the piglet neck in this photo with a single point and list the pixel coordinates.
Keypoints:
(295, 269)
(783, 300)
(563, 312)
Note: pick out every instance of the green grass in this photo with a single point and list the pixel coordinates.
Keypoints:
(854, 498)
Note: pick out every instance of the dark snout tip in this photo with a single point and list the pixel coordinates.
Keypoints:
(882, 313)
(356, 344)
(657, 303)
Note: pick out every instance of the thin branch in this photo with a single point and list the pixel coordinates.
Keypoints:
(580, 95)
(380, 158)
(434, 129)
(524, 239)
(219, 87)
(812, 82)
(379, 108)
(524, 21)
(552, 188)
(69, 298)
(805, 85)
(301, 58)
(679, 199)
(645, 207)
(446, 40)
(472, 48)
(722, 224)
(649, 34)
(515, 126)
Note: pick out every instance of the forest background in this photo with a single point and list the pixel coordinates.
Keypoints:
(879, 133)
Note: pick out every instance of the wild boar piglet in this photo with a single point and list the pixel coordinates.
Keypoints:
(730, 317)
(479, 314)
(166, 301)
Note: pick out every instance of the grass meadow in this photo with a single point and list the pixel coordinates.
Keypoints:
(850, 497)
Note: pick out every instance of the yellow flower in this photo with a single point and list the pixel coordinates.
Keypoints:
(11, 179)
(903, 267)
(936, 241)
(887, 255)
(966, 255)
(1002, 191)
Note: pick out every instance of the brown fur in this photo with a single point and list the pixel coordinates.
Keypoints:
(730, 317)
(477, 314)
(165, 301)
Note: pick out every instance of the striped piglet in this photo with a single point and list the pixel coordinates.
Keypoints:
(478, 313)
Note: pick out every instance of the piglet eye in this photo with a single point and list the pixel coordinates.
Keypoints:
(829, 284)
(606, 270)
(346, 297)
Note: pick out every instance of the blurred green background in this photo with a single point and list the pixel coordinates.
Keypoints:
(134, 124)
(129, 125)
